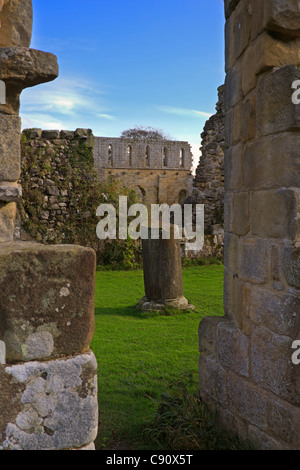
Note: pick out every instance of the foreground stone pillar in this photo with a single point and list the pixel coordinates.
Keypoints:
(162, 273)
(48, 375)
(246, 368)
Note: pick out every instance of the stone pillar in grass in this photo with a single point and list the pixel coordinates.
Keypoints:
(163, 273)
(48, 375)
(246, 368)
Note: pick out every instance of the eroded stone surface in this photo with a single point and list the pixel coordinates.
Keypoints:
(7, 221)
(53, 404)
(15, 23)
(46, 300)
(21, 68)
(246, 369)
(10, 148)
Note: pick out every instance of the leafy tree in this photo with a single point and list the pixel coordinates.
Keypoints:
(144, 133)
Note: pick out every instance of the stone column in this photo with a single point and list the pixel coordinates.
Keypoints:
(48, 375)
(162, 273)
(246, 368)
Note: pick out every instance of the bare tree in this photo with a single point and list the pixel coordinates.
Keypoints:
(144, 133)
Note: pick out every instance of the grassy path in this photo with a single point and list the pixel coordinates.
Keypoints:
(138, 355)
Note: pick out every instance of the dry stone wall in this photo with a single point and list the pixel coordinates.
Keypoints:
(246, 368)
(58, 203)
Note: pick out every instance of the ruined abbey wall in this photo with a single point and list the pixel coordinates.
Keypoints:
(208, 185)
(159, 170)
(246, 368)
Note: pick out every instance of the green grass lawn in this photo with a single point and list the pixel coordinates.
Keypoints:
(139, 355)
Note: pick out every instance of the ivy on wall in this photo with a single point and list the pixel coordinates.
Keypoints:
(61, 194)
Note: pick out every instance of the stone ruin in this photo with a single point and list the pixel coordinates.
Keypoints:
(246, 370)
(48, 374)
(209, 179)
(160, 171)
(208, 183)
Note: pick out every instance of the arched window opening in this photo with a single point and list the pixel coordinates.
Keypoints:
(129, 155)
(147, 156)
(165, 157)
(182, 158)
(110, 155)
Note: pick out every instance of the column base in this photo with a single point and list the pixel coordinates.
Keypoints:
(181, 303)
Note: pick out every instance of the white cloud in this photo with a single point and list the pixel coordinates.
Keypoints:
(106, 116)
(63, 103)
(183, 111)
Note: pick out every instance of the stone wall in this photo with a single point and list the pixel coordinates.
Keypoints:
(246, 368)
(158, 170)
(48, 374)
(58, 186)
(208, 184)
(209, 179)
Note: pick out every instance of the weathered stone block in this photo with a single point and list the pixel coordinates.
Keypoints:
(246, 400)
(276, 16)
(233, 168)
(230, 5)
(207, 334)
(279, 312)
(212, 379)
(238, 32)
(231, 250)
(237, 117)
(10, 192)
(69, 135)
(21, 68)
(229, 128)
(266, 53)
(263, 441)
(240, 221)
(46, 300)
(10, 148)
(254, 260)
(248, 118)
(232, 348)
(50, 134)
(290, 263)
(275, 109)
(283, 420)
(8, 214)
(53, 405)
(271, 364)
(16, 23)
(234, 297)
(233, 423)
(233, 86)
(272, 162)
(274, 213)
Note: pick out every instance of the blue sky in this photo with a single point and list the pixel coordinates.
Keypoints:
(127, 62)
